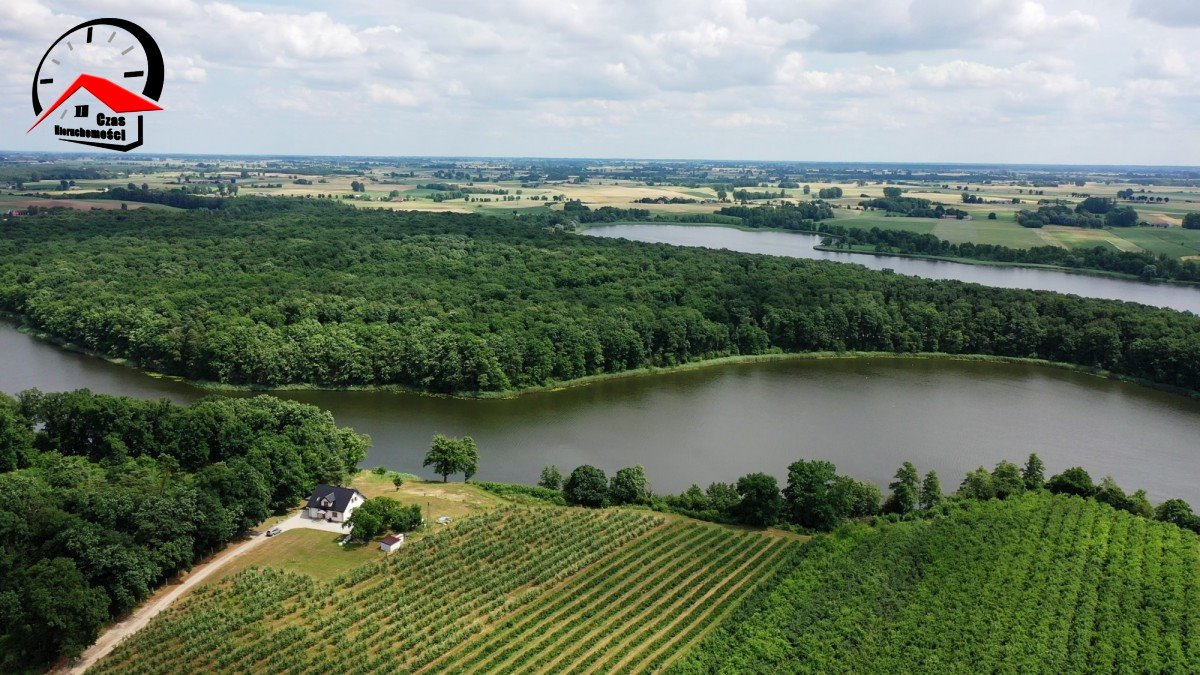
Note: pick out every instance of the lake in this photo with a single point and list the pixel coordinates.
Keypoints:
(865, 415)
(797, 245)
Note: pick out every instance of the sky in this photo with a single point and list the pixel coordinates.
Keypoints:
(1016, 81)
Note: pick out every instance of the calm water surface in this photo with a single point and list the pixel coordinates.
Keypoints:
(867, 416)
(795, 245)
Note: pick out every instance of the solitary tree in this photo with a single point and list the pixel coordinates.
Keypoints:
(931, 491)
(551, 478)
(397, 480)
(586, 486)
(445, 456)
(1034, 473)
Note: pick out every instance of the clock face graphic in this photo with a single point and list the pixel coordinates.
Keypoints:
(114, 60)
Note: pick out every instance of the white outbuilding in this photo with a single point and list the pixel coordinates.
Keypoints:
(391, 543)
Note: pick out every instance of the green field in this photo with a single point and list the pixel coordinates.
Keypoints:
(1044, 583)
(519, 589)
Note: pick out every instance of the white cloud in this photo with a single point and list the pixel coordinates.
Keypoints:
(613, 77)
(1169, 13)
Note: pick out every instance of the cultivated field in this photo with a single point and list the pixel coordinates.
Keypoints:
(1045, 583)
(513, 589)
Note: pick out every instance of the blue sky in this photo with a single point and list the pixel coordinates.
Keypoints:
(855, 80)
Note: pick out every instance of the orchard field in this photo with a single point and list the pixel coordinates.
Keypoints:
(514, 589)
(1045, 583)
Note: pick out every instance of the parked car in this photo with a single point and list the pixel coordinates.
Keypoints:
(273, 531)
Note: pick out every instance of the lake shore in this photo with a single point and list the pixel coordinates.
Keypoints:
(218, 387)
(1082, 271)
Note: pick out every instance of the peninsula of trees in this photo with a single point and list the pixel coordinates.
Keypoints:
(282, 292)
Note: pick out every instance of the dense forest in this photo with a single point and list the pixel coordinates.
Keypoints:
(1041, 583)
(275, 292)
(1142, 264)
(108, 497)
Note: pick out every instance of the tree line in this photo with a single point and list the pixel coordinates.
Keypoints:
(818, 499)
(1142, 264)
(271, 292)
(106, 498)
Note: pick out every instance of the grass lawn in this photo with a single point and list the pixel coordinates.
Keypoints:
(311, 552)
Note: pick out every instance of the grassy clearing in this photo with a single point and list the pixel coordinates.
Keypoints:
(314, 553)
(514, 589)
(457, 500)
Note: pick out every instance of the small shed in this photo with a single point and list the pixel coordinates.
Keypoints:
(391, 543)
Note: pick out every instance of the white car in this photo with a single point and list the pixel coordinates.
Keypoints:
(273, 531)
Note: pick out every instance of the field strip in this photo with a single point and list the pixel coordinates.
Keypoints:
(640, 628)
(619, 586)
(636, 659)
(611, 621)
(543, 605)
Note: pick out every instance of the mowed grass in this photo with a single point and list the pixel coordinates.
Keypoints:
(511, 590)
(311, 552)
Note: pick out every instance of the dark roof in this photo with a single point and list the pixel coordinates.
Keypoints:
(390, 539)
(338, 497)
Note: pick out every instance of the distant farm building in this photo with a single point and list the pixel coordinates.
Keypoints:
(391, 542)
(333, 503)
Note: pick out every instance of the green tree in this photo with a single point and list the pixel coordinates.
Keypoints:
(1191, 221)
(807, 495)
(856, 498)
(551, 478)
(397, 480)
(1034, 473)
(16, 437)
(906, 490)
(977, 485)
(722, 498)
(892, 192)
(1178, 512)
(586, 486)
(1007, 480)
(1073, 481)
(366, 522)
(931, 491)
(760, 504)
(1110, 493)
(446, 456)
(469, 457)
(629, 486)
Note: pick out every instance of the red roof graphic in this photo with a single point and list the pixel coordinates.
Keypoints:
(116, 97)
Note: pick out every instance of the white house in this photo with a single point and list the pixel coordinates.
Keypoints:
(333, 503)
(391, 543)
